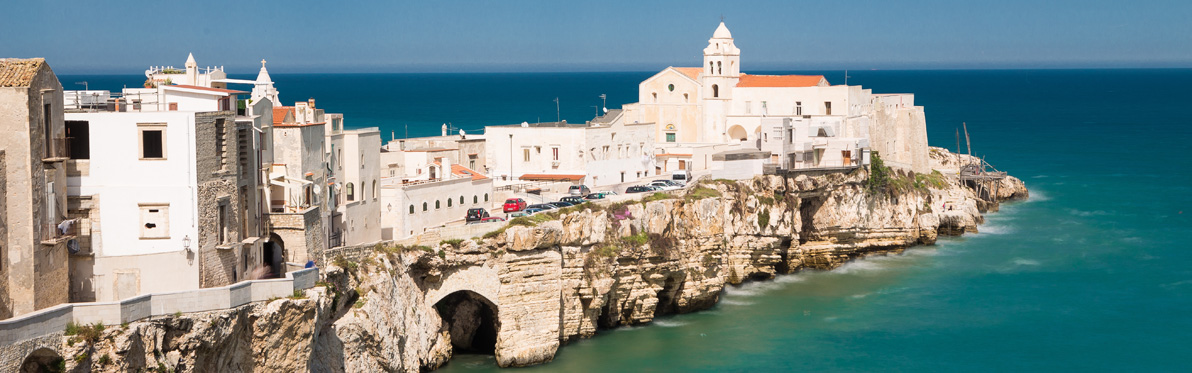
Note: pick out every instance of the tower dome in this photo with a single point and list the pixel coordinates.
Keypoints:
(722, 32)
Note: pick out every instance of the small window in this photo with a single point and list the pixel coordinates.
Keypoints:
(475, 199)
(449, 202)
(526, 155)
(798, 108)
(438, 204)
(655, 96)
(461, 200)
(554, 153)
(715, 90)
(79, 139)
(670, 137)
(411, 209)
(685, 100)
(827, 108)
(351, 192)
(153, 141)
(485, 197)
(424, 206)
(670, 87)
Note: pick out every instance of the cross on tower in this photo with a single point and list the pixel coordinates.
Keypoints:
(262, 62)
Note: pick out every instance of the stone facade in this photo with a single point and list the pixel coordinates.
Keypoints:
(301, 233)
(219, 180)
(34, 146)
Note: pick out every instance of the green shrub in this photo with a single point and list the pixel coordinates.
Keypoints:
(454, 242)
(105, 359)
(658, 196)
(763, 218)
(608, 250)
(637, 239)
(879, 174)
(80, 357)
(298, 294)
(766, 200)
(87, 333)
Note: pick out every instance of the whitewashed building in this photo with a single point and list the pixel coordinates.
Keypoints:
(716, 103)
(602, 152)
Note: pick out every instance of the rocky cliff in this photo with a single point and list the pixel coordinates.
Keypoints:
(522, 292)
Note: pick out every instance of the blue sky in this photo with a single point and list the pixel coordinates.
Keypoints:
(430, 36)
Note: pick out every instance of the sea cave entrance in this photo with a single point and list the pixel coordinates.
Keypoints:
(471, 320)
(41, 360)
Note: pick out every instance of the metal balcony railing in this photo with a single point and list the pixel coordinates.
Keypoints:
(68, 228)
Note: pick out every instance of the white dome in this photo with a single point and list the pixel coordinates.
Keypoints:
(722, 32)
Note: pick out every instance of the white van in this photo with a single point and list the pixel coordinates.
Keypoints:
(681, 176)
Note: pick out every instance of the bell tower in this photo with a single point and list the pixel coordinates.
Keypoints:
(721, 72)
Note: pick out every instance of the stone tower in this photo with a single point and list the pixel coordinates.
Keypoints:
(721, 71)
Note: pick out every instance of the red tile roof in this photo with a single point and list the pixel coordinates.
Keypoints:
(213, 90)
(464, 171)
(279, 113)
(691, 72)
(17, 72)
(781, 80)
(549, 177)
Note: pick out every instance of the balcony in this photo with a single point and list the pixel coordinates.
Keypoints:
(57, 150)
(52, 234)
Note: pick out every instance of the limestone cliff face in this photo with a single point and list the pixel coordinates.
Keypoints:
(525, 291)
(601, 267)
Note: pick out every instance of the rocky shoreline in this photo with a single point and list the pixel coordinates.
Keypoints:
(523, 292)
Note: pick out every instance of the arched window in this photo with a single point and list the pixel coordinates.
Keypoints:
(715, 90)
(475, 199)
(485, 197)
(719, 70)
(438, 204)
(449, 202)
(424, 206)
(710, 70)
(374, 189)
(655, 95)
(411, 209)
(461, 200)
(685, 100)
(362, 161)
(351, 192)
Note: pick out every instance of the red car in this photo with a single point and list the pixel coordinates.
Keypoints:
(514, 204)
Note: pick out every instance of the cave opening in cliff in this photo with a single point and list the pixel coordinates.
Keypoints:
(41, 360)
(471, 321)
(667, 298)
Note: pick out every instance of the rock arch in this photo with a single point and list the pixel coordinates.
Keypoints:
(41, 360)
(471, 320)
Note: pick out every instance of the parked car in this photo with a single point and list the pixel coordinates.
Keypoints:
(638, 189)
(562, 204)
(543, 206)
(573, 200)
(664, 184)
(476, 214)
(518, 214)
(514, 204)
(607, 193)
(492, 219)
(579, 190)
(531, 210)
(681, 176)
(594, 196)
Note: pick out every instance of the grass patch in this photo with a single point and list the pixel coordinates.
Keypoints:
(105, 359)
(763, 218)
(637, 239)
(454, 242)
(607, 251)
(658, 196)
(87, 333)
(298, 294)
(766, 200)
(701, 192)
(934, 180)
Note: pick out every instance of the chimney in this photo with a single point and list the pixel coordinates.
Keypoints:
(311, 101)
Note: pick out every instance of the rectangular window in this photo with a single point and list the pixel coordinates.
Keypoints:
(748, 107)
(47, 124)
(153, 141)
(526, 155)
(827, 108)
(79, 138)
(155, 221)
(554, 153)
(221, 145)
(670, 137)
(763, 108)
(222, 224)
(798, 108)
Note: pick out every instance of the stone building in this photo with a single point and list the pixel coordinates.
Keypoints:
(35, 233)
(424, 188)
(716, 103)
(168, 187)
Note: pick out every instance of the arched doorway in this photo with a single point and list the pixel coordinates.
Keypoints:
(736, 132)
(471, 321)
(41, 360)
(274, 256)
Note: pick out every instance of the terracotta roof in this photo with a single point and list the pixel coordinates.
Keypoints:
(19, 72)
(208, 89)
(279, 113)
(464, 171)
(549, 177)
(780, 80)
(691, 72)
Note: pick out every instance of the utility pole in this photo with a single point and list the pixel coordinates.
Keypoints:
(511, 158)
(558, 115)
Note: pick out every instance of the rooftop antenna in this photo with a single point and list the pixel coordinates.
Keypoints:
(558, 116)
(604, 102)
(595, 108)
(846, 76)
(85, 86)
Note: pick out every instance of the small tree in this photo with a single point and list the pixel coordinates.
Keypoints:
(879, 174)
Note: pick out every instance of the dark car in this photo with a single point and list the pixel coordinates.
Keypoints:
(531, 210)
(476, 214)
(573, 200)
(638, 189)
(562, 204)
(543, 206)
(595, 196)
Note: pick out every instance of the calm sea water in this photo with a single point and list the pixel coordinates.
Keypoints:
(1094, 272)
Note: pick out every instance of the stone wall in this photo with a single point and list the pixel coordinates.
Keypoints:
(302, 233)
(5, 301)
(218, 176)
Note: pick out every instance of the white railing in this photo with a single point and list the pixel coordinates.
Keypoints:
(54, 319)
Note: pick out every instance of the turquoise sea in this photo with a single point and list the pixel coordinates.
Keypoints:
(1093, 273)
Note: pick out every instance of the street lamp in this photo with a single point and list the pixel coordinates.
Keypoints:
(511, 158)
(186, 243)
